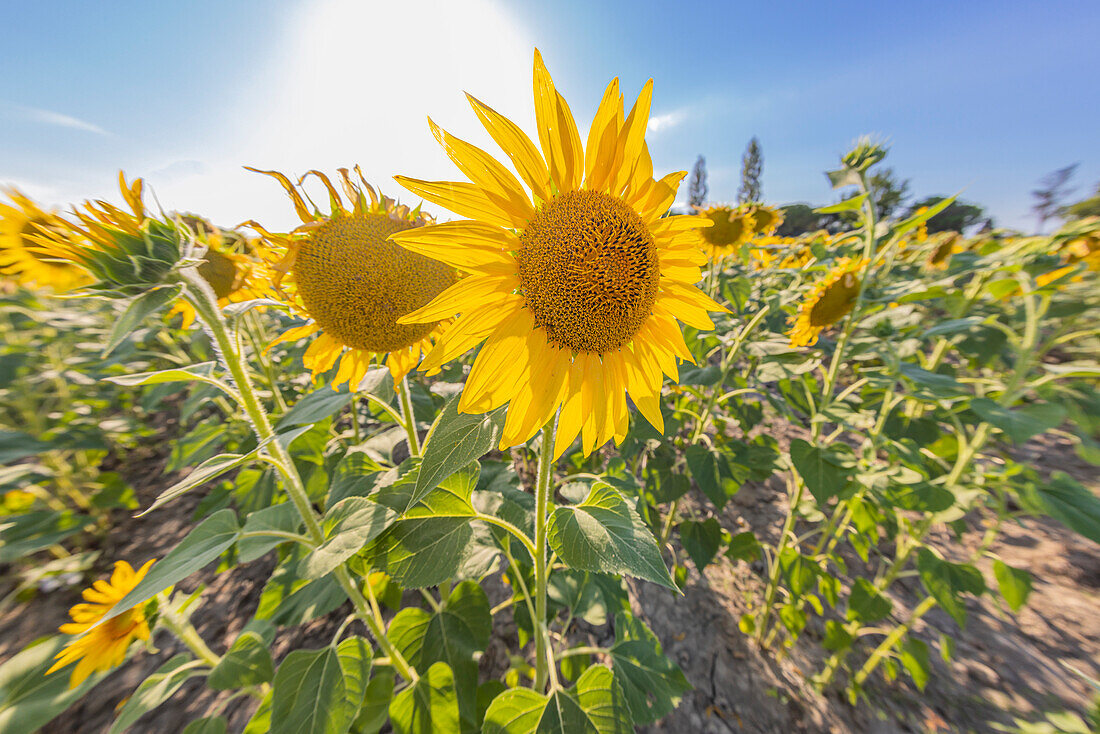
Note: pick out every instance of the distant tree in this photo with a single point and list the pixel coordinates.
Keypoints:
(955, 218)
(697, 185)
(798, 219)
(1089, 207)
(752, 167)
(887, 191)
(1055, 189)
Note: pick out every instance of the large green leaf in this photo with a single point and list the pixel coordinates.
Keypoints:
(318, 405)
(1067, 501)
(310, 695)
(711, 471)
(30, 532)
(701, 540)
(819, 470)
(136, 312)
(430, 542)
(595, 705)
(1014, 583)
(15, 445)
(246, 663)
(947, 582)
(866, 604)
(604, 533)
(29, 698)
(428, 706)
(452, 635)
(652, 684)
(1020, 424)
(349, 525)
(156, 689)
(914, 656)
(201, 546)
(282, 518)
(455, 440)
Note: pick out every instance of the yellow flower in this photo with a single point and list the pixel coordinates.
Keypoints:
(24, 256)
(231, 274)
(947, 245)
(730, 228)
(105, 646)
(342, 273)
(576, 289)
(17, 500)
(830, 301)
(765, 219)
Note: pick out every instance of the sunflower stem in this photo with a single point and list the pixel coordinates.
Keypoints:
(200, 295)
(409, 418)
(543, 505)
(186, 633)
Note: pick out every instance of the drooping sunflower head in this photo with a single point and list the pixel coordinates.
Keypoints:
(342, 273)
(830, 301)
(231, 265)
(126, 252)
(25, 253)
(105, 646)
(575, 278)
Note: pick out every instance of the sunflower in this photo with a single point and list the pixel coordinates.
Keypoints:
(233, 275)
(576, 290)
(23, 257)
(830, 301)
(765, 219)
(731, 227)
(947, 244)
(105, 646)
(342, 274)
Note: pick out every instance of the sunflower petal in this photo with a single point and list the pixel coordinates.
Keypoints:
(467, 245)
(517, 146)
(464, 199)
(484, 170)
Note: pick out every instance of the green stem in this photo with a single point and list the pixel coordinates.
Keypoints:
(179, 626)
(543, 504)
(773, 576)
(892, 640)
(409, 420)
(203, 300)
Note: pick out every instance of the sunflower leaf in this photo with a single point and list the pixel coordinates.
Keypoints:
(604, 533)
(454, 441)
(595, 704)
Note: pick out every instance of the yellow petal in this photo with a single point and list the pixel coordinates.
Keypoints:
(485, 171)
(467, 245)
(599, 153)
(631, 139)
(469, 331)
(466, 294)
(464, 199)
(517, 146)
(557, 130)
(502, 364)
(299, 205)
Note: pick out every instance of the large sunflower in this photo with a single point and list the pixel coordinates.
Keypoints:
(340, 272)
(23, 257)
(105, 646)
(830, 301)
(231, 266)
(576, 289)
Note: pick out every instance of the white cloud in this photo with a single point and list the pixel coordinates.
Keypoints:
(353, 82)
(666, 121)
(48, 117)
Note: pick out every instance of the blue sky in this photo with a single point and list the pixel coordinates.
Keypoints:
(983, 97)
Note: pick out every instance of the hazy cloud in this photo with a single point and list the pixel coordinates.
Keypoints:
(57, 119)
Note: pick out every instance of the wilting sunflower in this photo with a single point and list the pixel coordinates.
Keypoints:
(342, 274)
(576, 290)
(105, 646)
(23, 256)
(830, 301)
(233, 275)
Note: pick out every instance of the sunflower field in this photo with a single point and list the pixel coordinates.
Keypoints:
(444, 468)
